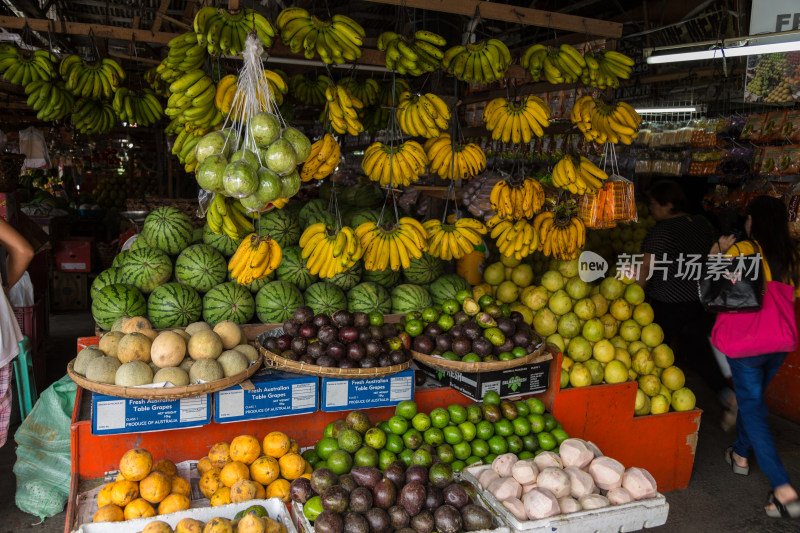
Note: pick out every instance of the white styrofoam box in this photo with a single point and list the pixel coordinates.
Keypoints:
(276, 510)
(632, 516)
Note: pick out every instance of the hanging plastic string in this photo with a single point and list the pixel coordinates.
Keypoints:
(393, 131)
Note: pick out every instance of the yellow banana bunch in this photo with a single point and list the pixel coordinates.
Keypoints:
(578, 175)
(517, 200)
(341, 110)
(422, 115)
(91, 80)
(559, 64)
(460, 161)
(322, 160)
(310, 91)
(606, 68)
(328, 251)
(412, 56)
(255, 258)
(191, 101)
(93, 116)
(156, 82)
(514, 239)
(184, 54)
(142, 108)
(399, 166)
(23, 67)
(50, 99)
(516, 122)
(337, 40)
(561, 238)
(481, 62)
(227, 86)
(392, 246)
(453, 241)
(228, 216)
(602, 123)
(366, 90)
(225, 32)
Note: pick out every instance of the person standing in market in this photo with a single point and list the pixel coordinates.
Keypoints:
(18, 255)
(767, 230)
(668, 249)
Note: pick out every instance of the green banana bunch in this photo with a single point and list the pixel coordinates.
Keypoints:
(310, 91)
(224, 32)
(184, 146)
(605, 68)
(481, 62)
(365, 90)
(559, 64)
(338, 40)
(93, 116)
(21, 67)
(50, 99)
(95, 80)
(191, 101)
(184, 55)
(154, 80)
(412, 56)
(228, 216)
(142, 109)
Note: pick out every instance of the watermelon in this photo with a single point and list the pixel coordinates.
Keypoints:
(387, 279)
(276, 302)
(293, 269)
(410, 297)
(201, 267)
(281, 225)
(350, 277)
(424, 270)
(361, 195)
(108, 276)
(115, 301)
(140, 242)
(197, 235)
(120, 258)
(228, 301)
(169, 229)
(147, 268)
(173, 305)
(368, 297)
(256, 285)
(221, 243)
(325, 298)
(358, 216)
(446, 287)
(314, 209)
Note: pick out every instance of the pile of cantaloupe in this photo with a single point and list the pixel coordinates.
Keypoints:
(134, 354)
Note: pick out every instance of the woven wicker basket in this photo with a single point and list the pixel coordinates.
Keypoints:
(440, 363)
(273, 360)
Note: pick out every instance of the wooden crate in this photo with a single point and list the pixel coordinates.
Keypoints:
(70, 291)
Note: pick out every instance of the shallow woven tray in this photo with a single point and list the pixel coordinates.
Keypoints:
(162, 393)
(440, 363)
(273, 360)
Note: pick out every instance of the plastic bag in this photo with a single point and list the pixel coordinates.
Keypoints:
(43, 452)
(21, 294)
(33, 145)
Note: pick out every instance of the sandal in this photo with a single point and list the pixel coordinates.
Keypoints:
(741, 470)
(782, 510)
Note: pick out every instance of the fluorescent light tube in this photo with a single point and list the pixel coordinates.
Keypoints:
(737, 51)
(656, 110)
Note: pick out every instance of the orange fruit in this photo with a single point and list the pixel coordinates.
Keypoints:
(109, 513)
(166, 466)
(279, 489)
(308, 469)
(220, 454)
(265, 470)
(243, 490)
(261, 492)
(276, 444)
(157, 526)
(155, 486)
(292, 466)
(173, 503)
(307, 476)
(221, 497)
(119, 477)
(181, 486)
(189, 525)
(233, 472)
(210, 482)
(124, 492)
(245, 448)
(293, 446)
(138, 508)
(204, 465)
(218, 525)
(136, 464)
(104, 496)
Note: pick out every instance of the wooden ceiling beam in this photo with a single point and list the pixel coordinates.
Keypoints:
(80, 28)
(162, 10)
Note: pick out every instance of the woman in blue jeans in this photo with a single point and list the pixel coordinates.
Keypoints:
(767, 225)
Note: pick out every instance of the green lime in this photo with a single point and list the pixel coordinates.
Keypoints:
(321, 464)
(468, 430)
(458, 413)
(519, 351)
(421, 421)
(522, 426)
(458, 465)
(491, 398)
(384, 425)
(537, 423)
(394, 443)
(515, 444)
(340, 462)
(505, 356)
(550, 422)
(328, 431)
(385, 458)
(412, 439)
(366, 456)
(530, 443)
(506, 310)
(535, 405)
(525, 455)
(413, 315)
(522, 409)
(440, 417)
(429, 314)
(463, 294)
(472, 358)
(414, 327)
(446, 453)
(375, 438)
(474, 413)
(546, 440)
(325, 447)
(433, 436)
(311, 456)
(451, 306)
(446, 322)
(407, 409)
(473, 460)
(498, 445)
(489, 459)
(422, 458)
(560, 435)
(452, 435)
(398, 425)
(496, 337)
(405, 456)
(462, 450)
(484, 429)
(450, 356)
(503, 427)
(480, 447)
(312, 508)
(375, 318)
(486, 299)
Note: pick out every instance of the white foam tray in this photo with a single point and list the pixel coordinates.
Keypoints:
(276, 510)
(632, 516)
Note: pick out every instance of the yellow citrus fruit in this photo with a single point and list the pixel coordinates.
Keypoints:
(180, 486)
(124, 492)
(166, 466)
(292, 466)
(173, 503)
(245, 448)
(157, 526)
(265, 470)
(276, 444)
(136, 464)
(221, 497)
(243, 490)
(279, 489)
(189, 525)
(210, 482)
(218, 525)
(233, 472)
(204, 465)
(293, 446)
(104, 496)
(139, 508)
(261, 492)
(109, 513)
(308, 468)
(155, 487)
(220, 454)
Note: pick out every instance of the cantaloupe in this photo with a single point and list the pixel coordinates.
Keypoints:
(182, 333)
(205, 370)
(232, 362)
(248, 351)
(109, 342)
(136, 323)
(175, 375)
(84, 357)
(150, 333)
(229, 332)
(168, 349)
(133, 373)
(205, 344)
(186, 364)
(134, 347)
(102, 369)
(194, 327)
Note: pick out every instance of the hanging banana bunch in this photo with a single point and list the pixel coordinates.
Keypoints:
(323, 159)
(224, 32)
(377, 118)
(606, 68)
(341, 110)
(254, 259)
(392, 245)
(517, 200)
(50, 99)
(228, 216)
(337, 40)
(23, 67)
(578, 175)
(459, 161)
(137, 108)
(329, 251)
(192, 101)
(562, 237)
(453, 241)
(310, 91)
(602, 123)
(422, 115)
(559, 64)
(93, 116)
(514, 239)
(366, 90)
(227, 86)
(394, 166)
(412, 56)
(516, 122)
(481, 62)
(95, 80)
(156, 82)
(184, 54)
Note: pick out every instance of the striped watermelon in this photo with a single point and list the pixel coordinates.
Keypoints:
(228, 301)
(108, 276)
(173, 305)
(256, 285)
(293, 269)
(147, 268)
(409, 297)
(197, 235)
(119, 259)
(446, 287)
(276, 302)
(281, 225)
(424, 270)
(358, 216)
(388, 279)
(169, 229)
(140, 242)
(221, 243)
(368, 297)
(115, 301)
(201, 267)
(313, 210)
(326, 298)
(350, 277)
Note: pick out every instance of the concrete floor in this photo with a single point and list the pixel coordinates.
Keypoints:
(716, 499)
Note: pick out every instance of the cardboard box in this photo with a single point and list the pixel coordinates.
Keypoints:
(112, 415)
(522, 380)
(275, 394)
(349, 394)
(70, 291)
(74, 255)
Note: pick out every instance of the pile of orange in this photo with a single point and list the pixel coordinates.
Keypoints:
(142, 489)
(246, 469)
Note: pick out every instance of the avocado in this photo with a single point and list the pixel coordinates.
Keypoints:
(475, 518)
(447, 519)
(361, 500)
